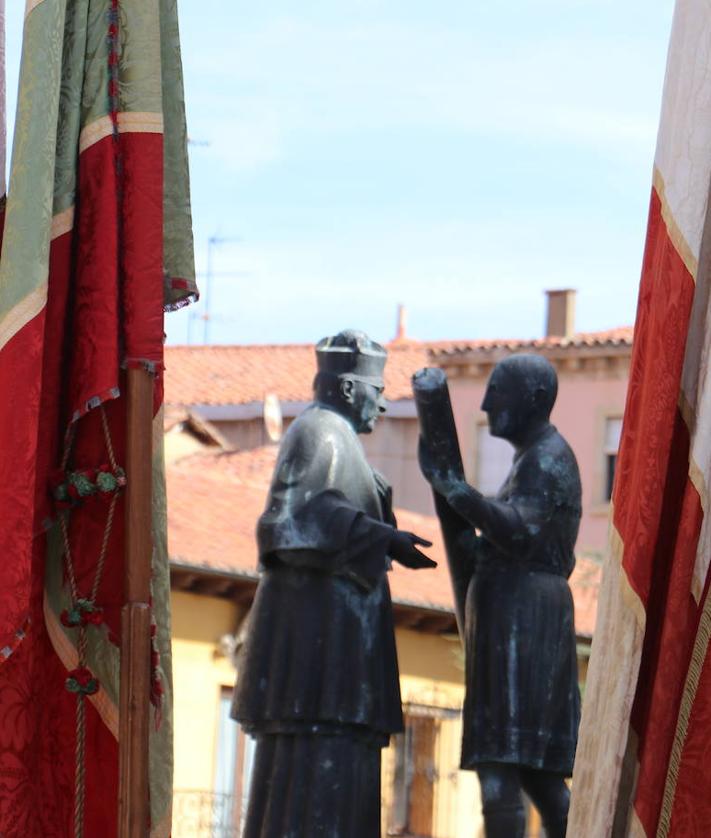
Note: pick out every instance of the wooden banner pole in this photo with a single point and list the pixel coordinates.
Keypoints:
(134, 699)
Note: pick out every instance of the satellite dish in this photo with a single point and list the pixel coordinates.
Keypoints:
(273, 422)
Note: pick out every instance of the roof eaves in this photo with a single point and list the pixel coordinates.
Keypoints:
(205, 570)
(423, 605)
(496, 348)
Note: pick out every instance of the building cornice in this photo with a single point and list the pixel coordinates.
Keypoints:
(609, 360)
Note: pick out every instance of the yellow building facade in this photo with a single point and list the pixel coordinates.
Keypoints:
(424, 792)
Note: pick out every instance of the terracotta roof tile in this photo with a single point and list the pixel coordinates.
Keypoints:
(222, 375)
(620, 336)
(214, 501)
(242, 374)
(217, 375)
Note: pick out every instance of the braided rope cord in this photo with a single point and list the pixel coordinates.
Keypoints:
(80, 751)
(80, 747)
(64, 522)
(80, 768)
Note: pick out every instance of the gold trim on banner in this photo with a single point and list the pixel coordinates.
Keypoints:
(31, 305)
(142, 122)
(31, 4)
(604, 772)
(629, 595)
(95, 131)
(67, 653)
(62, 223)
(21, 314)
(698, 481)
(693, 676)
(688, 413)
(676, 236)
(623, 825)
(696, 475)
(636, 830)
(129, 122)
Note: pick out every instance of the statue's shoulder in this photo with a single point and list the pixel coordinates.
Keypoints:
(559, 462)
(306, 420)
(316, 418)
(555, 443)
(316, 427)
(551, 456)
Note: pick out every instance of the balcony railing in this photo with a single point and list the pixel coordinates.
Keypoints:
(202, 814)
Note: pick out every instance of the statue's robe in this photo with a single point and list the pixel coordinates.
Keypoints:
(318, 679)
(522, 702)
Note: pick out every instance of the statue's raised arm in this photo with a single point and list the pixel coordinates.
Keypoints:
(441, 463)
(522, 704)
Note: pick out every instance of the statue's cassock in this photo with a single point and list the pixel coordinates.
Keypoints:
(318, 677)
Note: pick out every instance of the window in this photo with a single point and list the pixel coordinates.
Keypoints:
(234, 756)
(413, 799)
(613, 427)
(233, 767)
(219, 812)
(494, 457)
(416, 766)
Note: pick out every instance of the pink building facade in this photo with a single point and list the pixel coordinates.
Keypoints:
(224, 391)
(593, 370)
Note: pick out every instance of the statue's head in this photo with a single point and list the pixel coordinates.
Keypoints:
(519, 396)
(350, 377)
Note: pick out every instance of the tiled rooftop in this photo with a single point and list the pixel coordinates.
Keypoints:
(214, 501)
(243, 374)
(620, 336)
(221, 375)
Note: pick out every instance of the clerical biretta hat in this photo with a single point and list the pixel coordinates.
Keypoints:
(352, 353)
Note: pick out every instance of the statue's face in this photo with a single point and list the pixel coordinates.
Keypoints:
(365, 405)
(505, 404)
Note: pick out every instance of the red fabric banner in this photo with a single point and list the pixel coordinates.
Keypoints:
(83, 274)
(639, 769)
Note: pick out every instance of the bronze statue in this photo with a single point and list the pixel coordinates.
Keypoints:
(522, 704)
(318, 678)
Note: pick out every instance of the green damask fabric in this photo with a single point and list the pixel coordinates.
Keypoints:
(74, 89)
(63, 89)
(177, 219)
(23, 269)
(140, 57)
(161, 738)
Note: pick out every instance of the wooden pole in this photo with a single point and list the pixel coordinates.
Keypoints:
(134, 699)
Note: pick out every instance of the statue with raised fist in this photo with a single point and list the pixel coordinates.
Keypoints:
(318, 680)
(510, 558)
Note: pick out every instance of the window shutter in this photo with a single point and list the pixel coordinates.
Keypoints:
(613, 429)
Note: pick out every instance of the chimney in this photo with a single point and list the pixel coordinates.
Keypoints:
(401, 333)
(560, 316)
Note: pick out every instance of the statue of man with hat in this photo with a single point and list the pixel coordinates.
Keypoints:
(318, 678)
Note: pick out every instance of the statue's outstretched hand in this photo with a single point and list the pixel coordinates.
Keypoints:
(403, 550)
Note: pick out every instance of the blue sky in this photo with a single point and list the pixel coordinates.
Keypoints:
(458, 157)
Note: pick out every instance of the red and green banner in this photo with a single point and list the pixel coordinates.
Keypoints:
(642, 767)
(97, 244)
